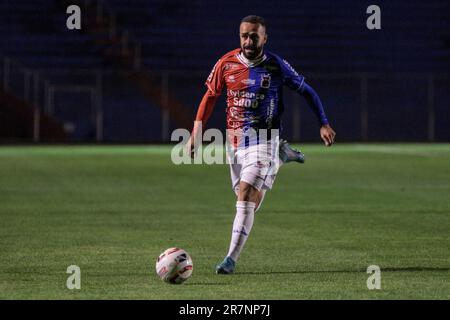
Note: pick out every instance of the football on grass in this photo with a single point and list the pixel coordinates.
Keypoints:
(174, 266)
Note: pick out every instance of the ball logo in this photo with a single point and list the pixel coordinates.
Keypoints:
(163, 271)
(187, 268)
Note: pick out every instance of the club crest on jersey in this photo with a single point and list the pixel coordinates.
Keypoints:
(265, 81)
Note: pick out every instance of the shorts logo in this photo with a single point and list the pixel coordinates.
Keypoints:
(260, 164)
(265, 81)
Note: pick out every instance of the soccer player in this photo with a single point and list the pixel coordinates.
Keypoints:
(254, 78)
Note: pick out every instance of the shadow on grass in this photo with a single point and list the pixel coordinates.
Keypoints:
(206, 284)
(386, 269)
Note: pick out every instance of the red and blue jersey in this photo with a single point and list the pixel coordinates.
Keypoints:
(254, 88)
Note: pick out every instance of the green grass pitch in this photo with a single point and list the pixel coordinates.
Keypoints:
(112, 210)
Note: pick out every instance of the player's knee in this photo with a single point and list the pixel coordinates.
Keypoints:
(248, 192)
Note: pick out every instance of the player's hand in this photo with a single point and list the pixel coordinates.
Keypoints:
(327, 134)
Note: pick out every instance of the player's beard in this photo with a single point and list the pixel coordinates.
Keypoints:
(252, 55)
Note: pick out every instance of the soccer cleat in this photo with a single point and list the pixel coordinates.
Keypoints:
(226, 267)
(289, 154)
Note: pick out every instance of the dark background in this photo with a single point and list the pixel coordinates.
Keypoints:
(136, 69)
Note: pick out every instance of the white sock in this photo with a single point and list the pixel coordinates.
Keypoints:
(243, 222)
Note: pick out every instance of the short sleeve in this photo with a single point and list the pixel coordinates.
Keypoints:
(215, 79)
(290, 77)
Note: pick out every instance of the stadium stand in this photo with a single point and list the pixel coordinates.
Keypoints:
(140, 65)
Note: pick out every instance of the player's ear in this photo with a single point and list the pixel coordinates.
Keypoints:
(265, 38)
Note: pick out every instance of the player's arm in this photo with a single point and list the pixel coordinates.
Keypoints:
(204, 111)
(214, 83)
(297, 82)
(312, 98)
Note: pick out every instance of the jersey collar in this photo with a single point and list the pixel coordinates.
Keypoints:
(250, 63)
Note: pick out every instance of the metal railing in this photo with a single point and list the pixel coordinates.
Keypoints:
(37, 90)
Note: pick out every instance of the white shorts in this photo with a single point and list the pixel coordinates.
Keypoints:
(254, 165)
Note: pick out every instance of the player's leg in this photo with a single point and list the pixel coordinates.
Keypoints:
(250, 179)
(243, 222)
(248, 197)
(260, 200)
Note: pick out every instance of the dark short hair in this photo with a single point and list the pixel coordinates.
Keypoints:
(254, 19)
